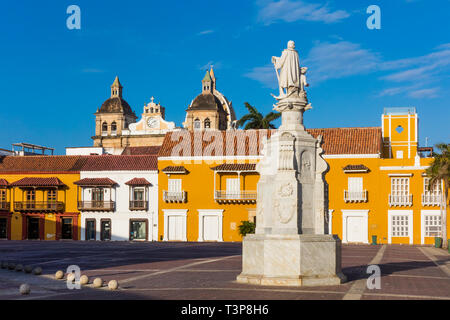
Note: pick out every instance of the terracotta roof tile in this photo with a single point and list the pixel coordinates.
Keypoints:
(95, 182)
(179, 169)
(132, 151)
(235, 167)
(335, 141)
(41, 163)
(233, 143)
(350, 140)
(355, 167)
(138, 182)
(38, 182)
(120, 163)
(3, 183)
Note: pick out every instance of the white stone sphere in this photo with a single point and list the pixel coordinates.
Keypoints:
(24, 289)
(19, 267)
(98, 282)
(28, 269)
(113, 285)
(37, 271)
(84, 279)
(71, 277)
(59, 275)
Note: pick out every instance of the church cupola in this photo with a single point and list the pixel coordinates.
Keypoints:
(207, 83)
(116, 88)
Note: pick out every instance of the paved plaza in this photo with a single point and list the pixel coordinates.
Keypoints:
(204, 271)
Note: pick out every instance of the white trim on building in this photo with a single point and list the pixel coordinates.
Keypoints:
(423, 214)
(401, 213)
(218, 224)
(364, 214)
(168, 213)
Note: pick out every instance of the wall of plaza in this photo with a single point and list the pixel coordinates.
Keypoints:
(48, 216)
(205, 194)
(375, 209)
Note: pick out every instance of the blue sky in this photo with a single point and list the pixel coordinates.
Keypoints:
(53, 79)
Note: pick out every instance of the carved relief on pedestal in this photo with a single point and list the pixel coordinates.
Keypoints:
(285, 204)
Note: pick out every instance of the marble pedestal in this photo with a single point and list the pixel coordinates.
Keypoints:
(291, 260)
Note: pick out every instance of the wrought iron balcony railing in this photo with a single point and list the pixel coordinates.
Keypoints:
(96, 205)
(174, 196)
(39, 206)
(396, 200)
(241, 196)
(355, 196)
(431, 199)
(138, 205)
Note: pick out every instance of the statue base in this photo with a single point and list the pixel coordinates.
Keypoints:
(291, 260)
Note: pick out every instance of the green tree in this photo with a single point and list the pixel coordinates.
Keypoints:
(438, 172)
(255, 120)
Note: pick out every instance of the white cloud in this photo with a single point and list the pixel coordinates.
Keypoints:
(205, 32)
(415, 76)
(266, 75)
(290, 11)
(338, 60)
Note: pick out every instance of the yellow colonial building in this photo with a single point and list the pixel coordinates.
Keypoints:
(377, 188)
(38, 200)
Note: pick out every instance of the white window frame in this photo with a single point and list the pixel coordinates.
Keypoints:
(355, 213)
(175, 212)
(409, 214)
(423, 214)
(209, 212)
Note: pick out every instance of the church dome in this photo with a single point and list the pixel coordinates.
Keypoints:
(116, 105)
(206, 101)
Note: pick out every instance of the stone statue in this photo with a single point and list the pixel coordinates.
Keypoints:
(289, 78)
(290, 246)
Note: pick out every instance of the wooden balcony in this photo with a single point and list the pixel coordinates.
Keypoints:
(405, 200)
(138, 205)
(355, 196)
(5, 206)
(96, 205)
(39, 206)
(174, 196)
(223, 196)
(431, 199)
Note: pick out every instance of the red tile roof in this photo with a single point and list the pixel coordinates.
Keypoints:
(3, 183)
(350, 140)
(138, 182)
(133, 151)
(235, 167)
(120, 163)
(178, 169)
(41, 163)
(38, 182)
(90, 182)
(198, 143)
(355, 168)
(335, 141)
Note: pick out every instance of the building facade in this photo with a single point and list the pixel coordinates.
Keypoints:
(38, 197)
(377, 185)
(118, 198)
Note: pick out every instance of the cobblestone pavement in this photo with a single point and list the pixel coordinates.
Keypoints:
(205, 271)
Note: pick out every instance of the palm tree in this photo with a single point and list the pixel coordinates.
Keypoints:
(256, 120)
(439, 172)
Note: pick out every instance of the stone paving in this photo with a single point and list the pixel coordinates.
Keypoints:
(207, 271)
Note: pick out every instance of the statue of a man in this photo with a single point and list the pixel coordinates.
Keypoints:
(289, 66)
